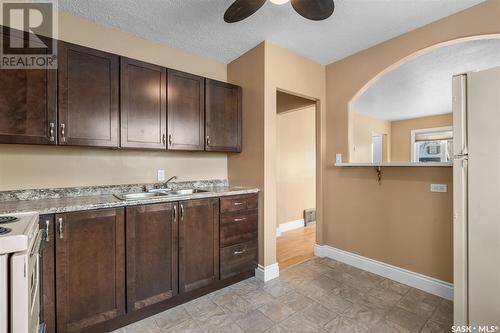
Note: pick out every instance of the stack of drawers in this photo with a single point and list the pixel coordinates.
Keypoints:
(238, 234)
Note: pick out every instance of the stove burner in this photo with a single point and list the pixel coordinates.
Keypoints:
(8, 219)
(4, 231)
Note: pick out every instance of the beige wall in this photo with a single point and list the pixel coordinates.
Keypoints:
(362, 128)
(398, 222)
(286, 102)
(262, 72)
(247, 168)
(401, 133)
(296, 162)
(24, 167)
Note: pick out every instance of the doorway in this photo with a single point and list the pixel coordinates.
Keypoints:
(296, 179)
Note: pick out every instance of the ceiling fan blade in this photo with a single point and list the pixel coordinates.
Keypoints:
(315, 10)
(241, 9)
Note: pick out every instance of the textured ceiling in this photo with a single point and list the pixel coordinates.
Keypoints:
(422, 87)
(197, 26)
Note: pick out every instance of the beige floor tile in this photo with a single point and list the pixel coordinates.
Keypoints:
(343, 324)
(317, 288)
(171, 318)
(231, 328)
(213, 322)
(444, 313)
(386, 326)
(258, 298)
(276, 311)
(419, 302)
(397, 287)
(255, 322)
(335, 303)
(202, 308)
(276, 329)
(189, 326)
(406, 319)
(277, 288)
(387, 295)
(318, 314)
(433, 327)
(363, 315)
(296, 301)
(298, 323)
(238, 308)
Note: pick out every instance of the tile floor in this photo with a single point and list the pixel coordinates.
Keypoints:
(319, 295)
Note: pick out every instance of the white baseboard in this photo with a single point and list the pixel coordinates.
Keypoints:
(267, 273)
(413, 279)
(283, 227)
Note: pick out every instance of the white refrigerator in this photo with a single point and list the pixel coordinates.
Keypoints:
(476, 198)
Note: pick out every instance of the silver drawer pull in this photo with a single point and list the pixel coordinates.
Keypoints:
(240, 203)
(61, 228)
(239, 252)
(243, 219)
(47, 231)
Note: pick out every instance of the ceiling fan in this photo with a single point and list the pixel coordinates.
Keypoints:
(315, 10)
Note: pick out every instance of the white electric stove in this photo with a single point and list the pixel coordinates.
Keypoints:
(21, 244)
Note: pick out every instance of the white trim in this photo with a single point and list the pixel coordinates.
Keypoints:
(413, 279)
(283, 227)
(267, 273)
(396, 164)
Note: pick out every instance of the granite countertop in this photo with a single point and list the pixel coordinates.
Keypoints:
(54, 202)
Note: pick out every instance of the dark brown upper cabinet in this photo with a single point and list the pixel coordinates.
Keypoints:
(223, 117)
(28, 100)
(143, 105)
(186, 111)
(198, 243)
(90, 268)
(152, 254)
(88, 97)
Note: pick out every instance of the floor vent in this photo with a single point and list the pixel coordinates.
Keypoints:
(309, 216)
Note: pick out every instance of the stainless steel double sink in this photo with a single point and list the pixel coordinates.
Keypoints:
(157, 194)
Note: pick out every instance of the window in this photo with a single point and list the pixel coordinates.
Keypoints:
(432, 144)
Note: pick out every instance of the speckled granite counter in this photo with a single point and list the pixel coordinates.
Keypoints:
(87, 198)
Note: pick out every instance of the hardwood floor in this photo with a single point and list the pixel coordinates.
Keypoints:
(295, 246)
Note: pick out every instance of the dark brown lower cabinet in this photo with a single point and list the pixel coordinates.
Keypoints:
(198, 243)
(152, 243)
(48, 276)
(90, 268)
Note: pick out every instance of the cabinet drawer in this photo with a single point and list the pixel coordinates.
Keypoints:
(238, 203)
(238, 228)
(238, 259)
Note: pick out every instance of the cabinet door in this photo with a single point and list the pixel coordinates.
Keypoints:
(90, 268)
(198, 243)
(88, 97)
(27, 103)
(48, 275)
(152, 243)
(223, 116)
(186, 111)
(143, 105)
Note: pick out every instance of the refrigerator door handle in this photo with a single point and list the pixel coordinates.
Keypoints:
(461, 157)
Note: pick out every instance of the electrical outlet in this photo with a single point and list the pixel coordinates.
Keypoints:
(161, 175)
(440, 188)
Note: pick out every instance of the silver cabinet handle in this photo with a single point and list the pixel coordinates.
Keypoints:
(208, 140)
(164, 138)
(240, 203)
(170, 139)
(182, 211)
(175, 213)
(51, 131)
(47, 231)
(243, 219)
(63, 132)
(61, 228)
(239, 252)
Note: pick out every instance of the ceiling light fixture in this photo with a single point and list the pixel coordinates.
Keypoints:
(315, 10)
(279, 2)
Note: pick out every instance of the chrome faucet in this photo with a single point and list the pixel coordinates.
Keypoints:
(166, 188)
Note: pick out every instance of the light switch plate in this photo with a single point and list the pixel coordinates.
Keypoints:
(161, 175)
(440, 188)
